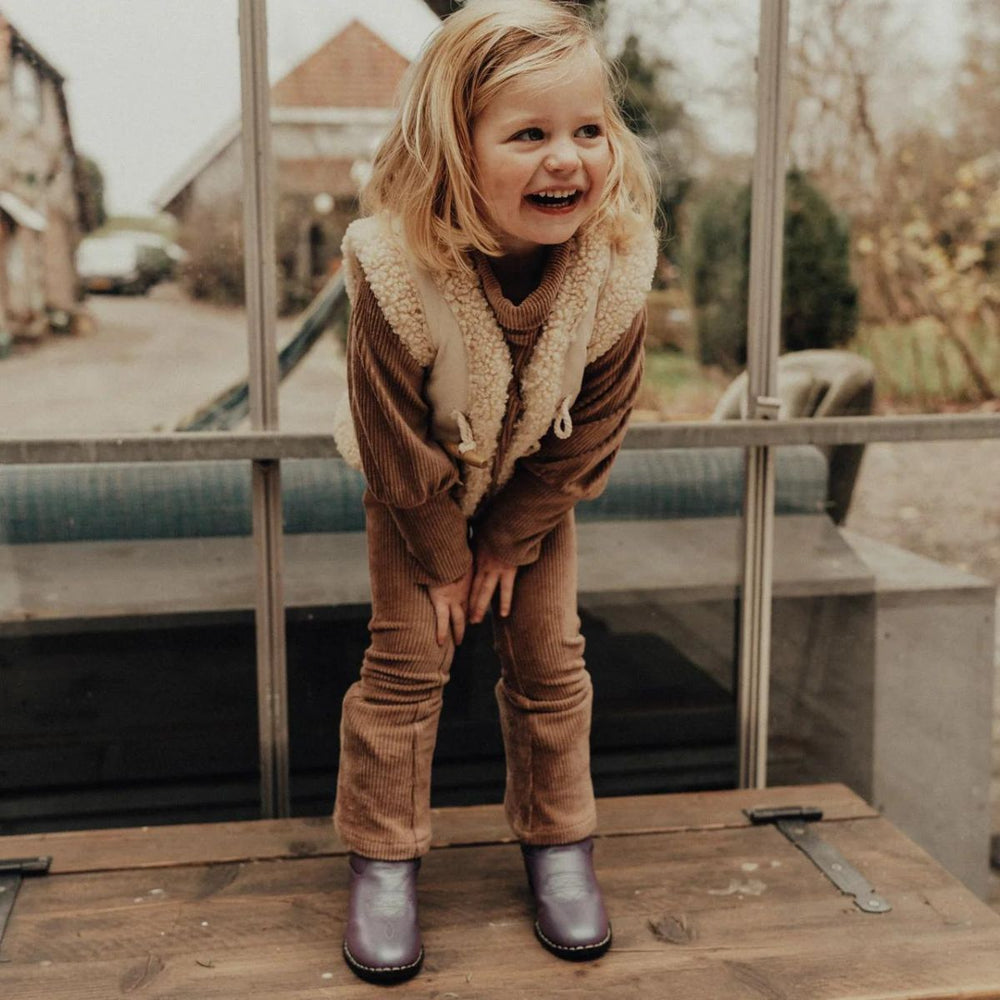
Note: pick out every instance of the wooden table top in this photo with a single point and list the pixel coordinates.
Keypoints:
(704, 907)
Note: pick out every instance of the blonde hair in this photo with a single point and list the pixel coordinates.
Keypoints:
(423, 170)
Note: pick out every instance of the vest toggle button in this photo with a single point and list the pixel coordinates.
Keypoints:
(472, 458)
(465, 449)
(562, 426)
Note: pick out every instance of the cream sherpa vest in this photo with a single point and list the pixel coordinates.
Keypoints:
(448, 327)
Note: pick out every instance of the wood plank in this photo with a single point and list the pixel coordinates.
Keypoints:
(688, 872)
(307, 971)
(273, 928)
(220, 843)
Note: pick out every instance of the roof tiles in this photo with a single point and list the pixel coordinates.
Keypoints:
(354, 69)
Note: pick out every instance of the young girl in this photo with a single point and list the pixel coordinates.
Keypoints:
(494, 354)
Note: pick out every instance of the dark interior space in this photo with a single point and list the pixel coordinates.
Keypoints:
(158, 725)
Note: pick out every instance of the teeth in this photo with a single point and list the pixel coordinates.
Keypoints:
(556, 195)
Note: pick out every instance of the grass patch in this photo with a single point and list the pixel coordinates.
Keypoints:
(916, 368)
(916, 365)
(676, 387)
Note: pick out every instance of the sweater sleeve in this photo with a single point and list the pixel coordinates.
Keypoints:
(404, 468)
(562, 472)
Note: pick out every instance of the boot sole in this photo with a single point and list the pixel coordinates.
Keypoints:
(383, 974)
(575, 953)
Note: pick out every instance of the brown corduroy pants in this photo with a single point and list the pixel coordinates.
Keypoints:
(390, 715)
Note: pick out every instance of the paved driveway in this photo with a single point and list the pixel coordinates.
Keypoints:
(149, 362)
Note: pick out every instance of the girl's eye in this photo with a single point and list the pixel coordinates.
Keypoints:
(530, 135)
(591, 131)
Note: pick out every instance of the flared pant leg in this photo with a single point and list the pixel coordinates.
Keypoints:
(390, 715)
(545, 697)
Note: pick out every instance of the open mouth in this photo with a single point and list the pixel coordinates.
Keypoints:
(555, 199)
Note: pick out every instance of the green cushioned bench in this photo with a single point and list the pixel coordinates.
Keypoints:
(105, 502)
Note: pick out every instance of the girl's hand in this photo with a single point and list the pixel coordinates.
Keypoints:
(450, 601)
(490, 570)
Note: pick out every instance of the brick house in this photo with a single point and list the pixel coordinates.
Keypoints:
(40, 202)
(327, 115)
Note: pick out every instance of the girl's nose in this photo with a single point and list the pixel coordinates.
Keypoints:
(562, 156)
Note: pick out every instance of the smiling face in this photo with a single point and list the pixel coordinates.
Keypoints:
(541, 154)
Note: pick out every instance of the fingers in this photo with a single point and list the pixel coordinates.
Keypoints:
(449, 613)
(458, 623)
(474, 598)
(483, 587)
(506, 592)
(441, 621)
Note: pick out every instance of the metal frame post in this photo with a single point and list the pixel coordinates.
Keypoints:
(764, 332)
(261, 301)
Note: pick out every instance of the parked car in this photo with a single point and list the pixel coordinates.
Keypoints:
(163, 253)
(121, 264)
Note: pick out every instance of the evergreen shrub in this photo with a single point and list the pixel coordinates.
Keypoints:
(819, 306)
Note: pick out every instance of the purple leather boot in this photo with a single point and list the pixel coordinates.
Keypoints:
(382, 939)
(571, 921)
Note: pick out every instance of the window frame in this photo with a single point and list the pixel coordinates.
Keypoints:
(266, 446)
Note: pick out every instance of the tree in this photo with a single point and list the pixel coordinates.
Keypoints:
(929, 243)
(838, 62)
(978, 124)
(90, 184)
(660, 120)
(939, 255)
(654, 114)
(819, 299)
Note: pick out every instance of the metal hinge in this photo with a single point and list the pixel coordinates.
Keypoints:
(793, 822)
(12, 871)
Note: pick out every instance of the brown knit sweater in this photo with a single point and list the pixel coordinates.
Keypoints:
(412, 475)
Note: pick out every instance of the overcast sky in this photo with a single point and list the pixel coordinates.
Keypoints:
(150, 81)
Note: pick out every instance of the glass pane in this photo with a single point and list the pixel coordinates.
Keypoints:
(127, 664)
(690, 98)
(659, 565)
(658, 594)
(121, 221)
(334, 80)
(884, 657)
(890, 239)
(327, 601)
(690, 95)
(659, 555)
